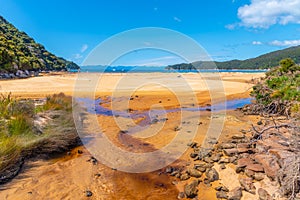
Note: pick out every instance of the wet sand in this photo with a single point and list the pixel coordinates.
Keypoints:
(68, 177)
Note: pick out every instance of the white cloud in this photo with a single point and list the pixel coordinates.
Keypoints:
(177, 19)
(84, 48)
(230, 26)
(285, 43)
(257, 43)
(265, 13)
(77, 56)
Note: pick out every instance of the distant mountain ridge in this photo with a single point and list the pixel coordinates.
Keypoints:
(20, 53)
(264, 61)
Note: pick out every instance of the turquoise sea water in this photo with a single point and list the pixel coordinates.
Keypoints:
(146, 69)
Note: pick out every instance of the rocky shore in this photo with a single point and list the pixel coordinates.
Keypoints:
(19, 74)
(260, 158)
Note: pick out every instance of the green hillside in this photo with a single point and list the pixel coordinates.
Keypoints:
(265, 61)
(20, 53)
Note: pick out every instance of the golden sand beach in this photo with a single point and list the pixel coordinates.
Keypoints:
(69, 175)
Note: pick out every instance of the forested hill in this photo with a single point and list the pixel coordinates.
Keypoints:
(20, 53)
(265, 61)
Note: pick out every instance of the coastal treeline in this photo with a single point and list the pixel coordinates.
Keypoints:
(20, 53)
(265, 61)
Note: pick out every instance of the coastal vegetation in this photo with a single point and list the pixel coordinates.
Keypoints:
(29, 128)
(279, 91)
(19, 52)
(265, 61)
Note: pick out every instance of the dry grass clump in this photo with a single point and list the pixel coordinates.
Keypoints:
(19, 138)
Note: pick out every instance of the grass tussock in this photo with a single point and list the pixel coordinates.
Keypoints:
(24, 133)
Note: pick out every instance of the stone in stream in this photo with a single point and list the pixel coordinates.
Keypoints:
(263, 194)
(248, 185)
(194, 173)
(235, 194)
(212, 175)
(191, 190)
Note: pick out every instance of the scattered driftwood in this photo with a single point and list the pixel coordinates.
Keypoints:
(259, 133)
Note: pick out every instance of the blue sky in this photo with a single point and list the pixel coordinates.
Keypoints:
(227, 29)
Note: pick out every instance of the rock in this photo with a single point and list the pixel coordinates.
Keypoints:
(230, 152)
(216, 158)
(194, 173)
(243, 145)
(79, 151)
(192, 144)
(245, 150)
(208, 160)
(227, 146)
(249, 173)
(233, 159)
(263, 194)
(269, 164)
(243, 162)
(238, 136)
(221, 195)
(212, 175)
(222, 166)
(88, 193)
(235, 194)
(181, 195)
(259, 122)
(206, 182)
(191, 189)
(184, 176)
(193, 155)
(201, 169)
(239, 169)
(174, 173)
(221, 188)
(255, 167)
(169, 170)
(259, 176)
(224, 160)
(247, 185)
